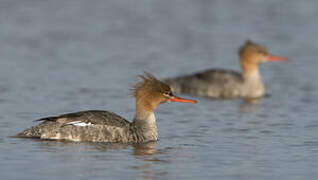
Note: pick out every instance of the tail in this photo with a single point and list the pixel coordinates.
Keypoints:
(29, 133)
(36, 131)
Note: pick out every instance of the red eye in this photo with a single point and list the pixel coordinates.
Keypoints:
(167, 94)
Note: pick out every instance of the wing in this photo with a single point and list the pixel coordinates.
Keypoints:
(219, 76)
(85, 118)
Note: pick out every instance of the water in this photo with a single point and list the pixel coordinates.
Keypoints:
(65, 56)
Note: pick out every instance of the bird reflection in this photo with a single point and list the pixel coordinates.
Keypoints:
(145, 149)
(147, 155)
(249, 106)
(139, 150)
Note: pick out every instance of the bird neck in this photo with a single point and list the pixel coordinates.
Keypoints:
(249, 67)
(253, 84)
(145, 126)
(253, 75)
(145, 116)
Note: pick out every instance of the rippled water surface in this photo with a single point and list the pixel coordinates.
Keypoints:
(65, 56)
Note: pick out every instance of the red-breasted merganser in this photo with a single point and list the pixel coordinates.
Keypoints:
(105, 126)
(218, 83)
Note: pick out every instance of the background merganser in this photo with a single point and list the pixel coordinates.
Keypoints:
(219, 83)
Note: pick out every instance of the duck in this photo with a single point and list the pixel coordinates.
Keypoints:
(106, 126)
(225, 84)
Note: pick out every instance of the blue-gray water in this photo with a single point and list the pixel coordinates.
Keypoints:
(63, 56)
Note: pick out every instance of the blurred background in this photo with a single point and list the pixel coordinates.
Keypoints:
(64, 56)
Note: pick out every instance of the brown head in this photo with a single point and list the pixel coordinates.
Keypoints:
(252, 54)
(151, 92)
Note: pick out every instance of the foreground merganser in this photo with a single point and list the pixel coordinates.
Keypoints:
(105, 126)
(219, 83)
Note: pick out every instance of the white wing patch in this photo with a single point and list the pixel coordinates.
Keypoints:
(79, 123)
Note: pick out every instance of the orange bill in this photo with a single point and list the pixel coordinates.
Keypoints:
(178, 99)
(276, 58)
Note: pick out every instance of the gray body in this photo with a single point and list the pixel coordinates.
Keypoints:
(100, 126)
(219, 84)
